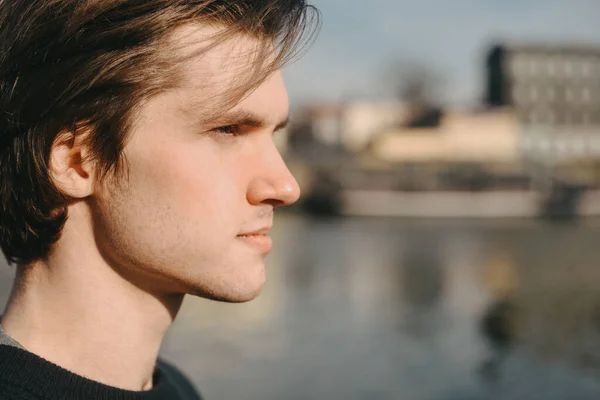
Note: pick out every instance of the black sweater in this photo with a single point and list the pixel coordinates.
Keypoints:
(25, 376)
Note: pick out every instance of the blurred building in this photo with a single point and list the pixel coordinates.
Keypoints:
(348, 125)
(488, 137)
(551, 85)
(534, 145)
(555, 93)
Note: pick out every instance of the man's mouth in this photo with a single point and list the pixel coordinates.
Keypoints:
(259, 241)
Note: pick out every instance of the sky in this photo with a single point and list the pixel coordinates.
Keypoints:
(360, 40)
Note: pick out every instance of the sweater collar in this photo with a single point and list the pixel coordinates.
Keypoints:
(27, 372)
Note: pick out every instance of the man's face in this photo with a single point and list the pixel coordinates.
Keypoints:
(193, 212)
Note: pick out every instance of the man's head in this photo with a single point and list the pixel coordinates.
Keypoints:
(152, 120)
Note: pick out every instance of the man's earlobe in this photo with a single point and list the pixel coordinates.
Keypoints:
(70, 168)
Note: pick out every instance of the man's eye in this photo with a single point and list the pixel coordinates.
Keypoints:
(227, 130)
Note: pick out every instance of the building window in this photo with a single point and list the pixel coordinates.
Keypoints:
(569, 95)
(568, 118)
(533, 93)
(568, 68)
(575, 68)
(533, 64)
(561, 147)
(594, 144)
(517, 95)
(586, 120)
(586, 68)
(516, 66)
(533, 117)
(550, 117)
(551, 66)
(586, 94)
(580, 145)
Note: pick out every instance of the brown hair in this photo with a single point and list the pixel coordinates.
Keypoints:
(72, 64)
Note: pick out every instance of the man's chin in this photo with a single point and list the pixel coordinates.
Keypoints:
(235, 292)
(229, 297)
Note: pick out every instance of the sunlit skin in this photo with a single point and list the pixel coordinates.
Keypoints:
(192, 216)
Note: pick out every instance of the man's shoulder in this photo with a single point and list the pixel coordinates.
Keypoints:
(181, 382)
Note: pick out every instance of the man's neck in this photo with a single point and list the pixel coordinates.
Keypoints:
(77, 312)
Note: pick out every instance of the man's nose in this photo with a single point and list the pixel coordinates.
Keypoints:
(272, 182)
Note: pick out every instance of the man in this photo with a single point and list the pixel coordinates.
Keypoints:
(136, 166)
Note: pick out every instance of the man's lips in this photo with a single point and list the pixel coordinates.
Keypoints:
(260, 231)
(258, 239)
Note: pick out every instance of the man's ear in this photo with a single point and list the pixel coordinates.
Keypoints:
(70, 168)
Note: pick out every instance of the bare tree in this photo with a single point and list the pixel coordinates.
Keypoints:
(418, 85)
(415, 81)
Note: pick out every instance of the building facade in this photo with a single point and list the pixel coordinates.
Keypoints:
(555, 94)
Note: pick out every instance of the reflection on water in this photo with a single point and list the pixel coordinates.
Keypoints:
(396, 309)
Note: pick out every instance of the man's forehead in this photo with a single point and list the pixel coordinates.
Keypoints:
(219, 52)
(213, 74)
(264, 106)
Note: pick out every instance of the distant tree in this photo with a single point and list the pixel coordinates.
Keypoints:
(419, 87)
(415, 82)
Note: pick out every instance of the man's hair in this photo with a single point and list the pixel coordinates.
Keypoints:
(87, 66)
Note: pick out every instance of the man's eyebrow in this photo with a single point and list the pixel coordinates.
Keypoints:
(248, 118)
